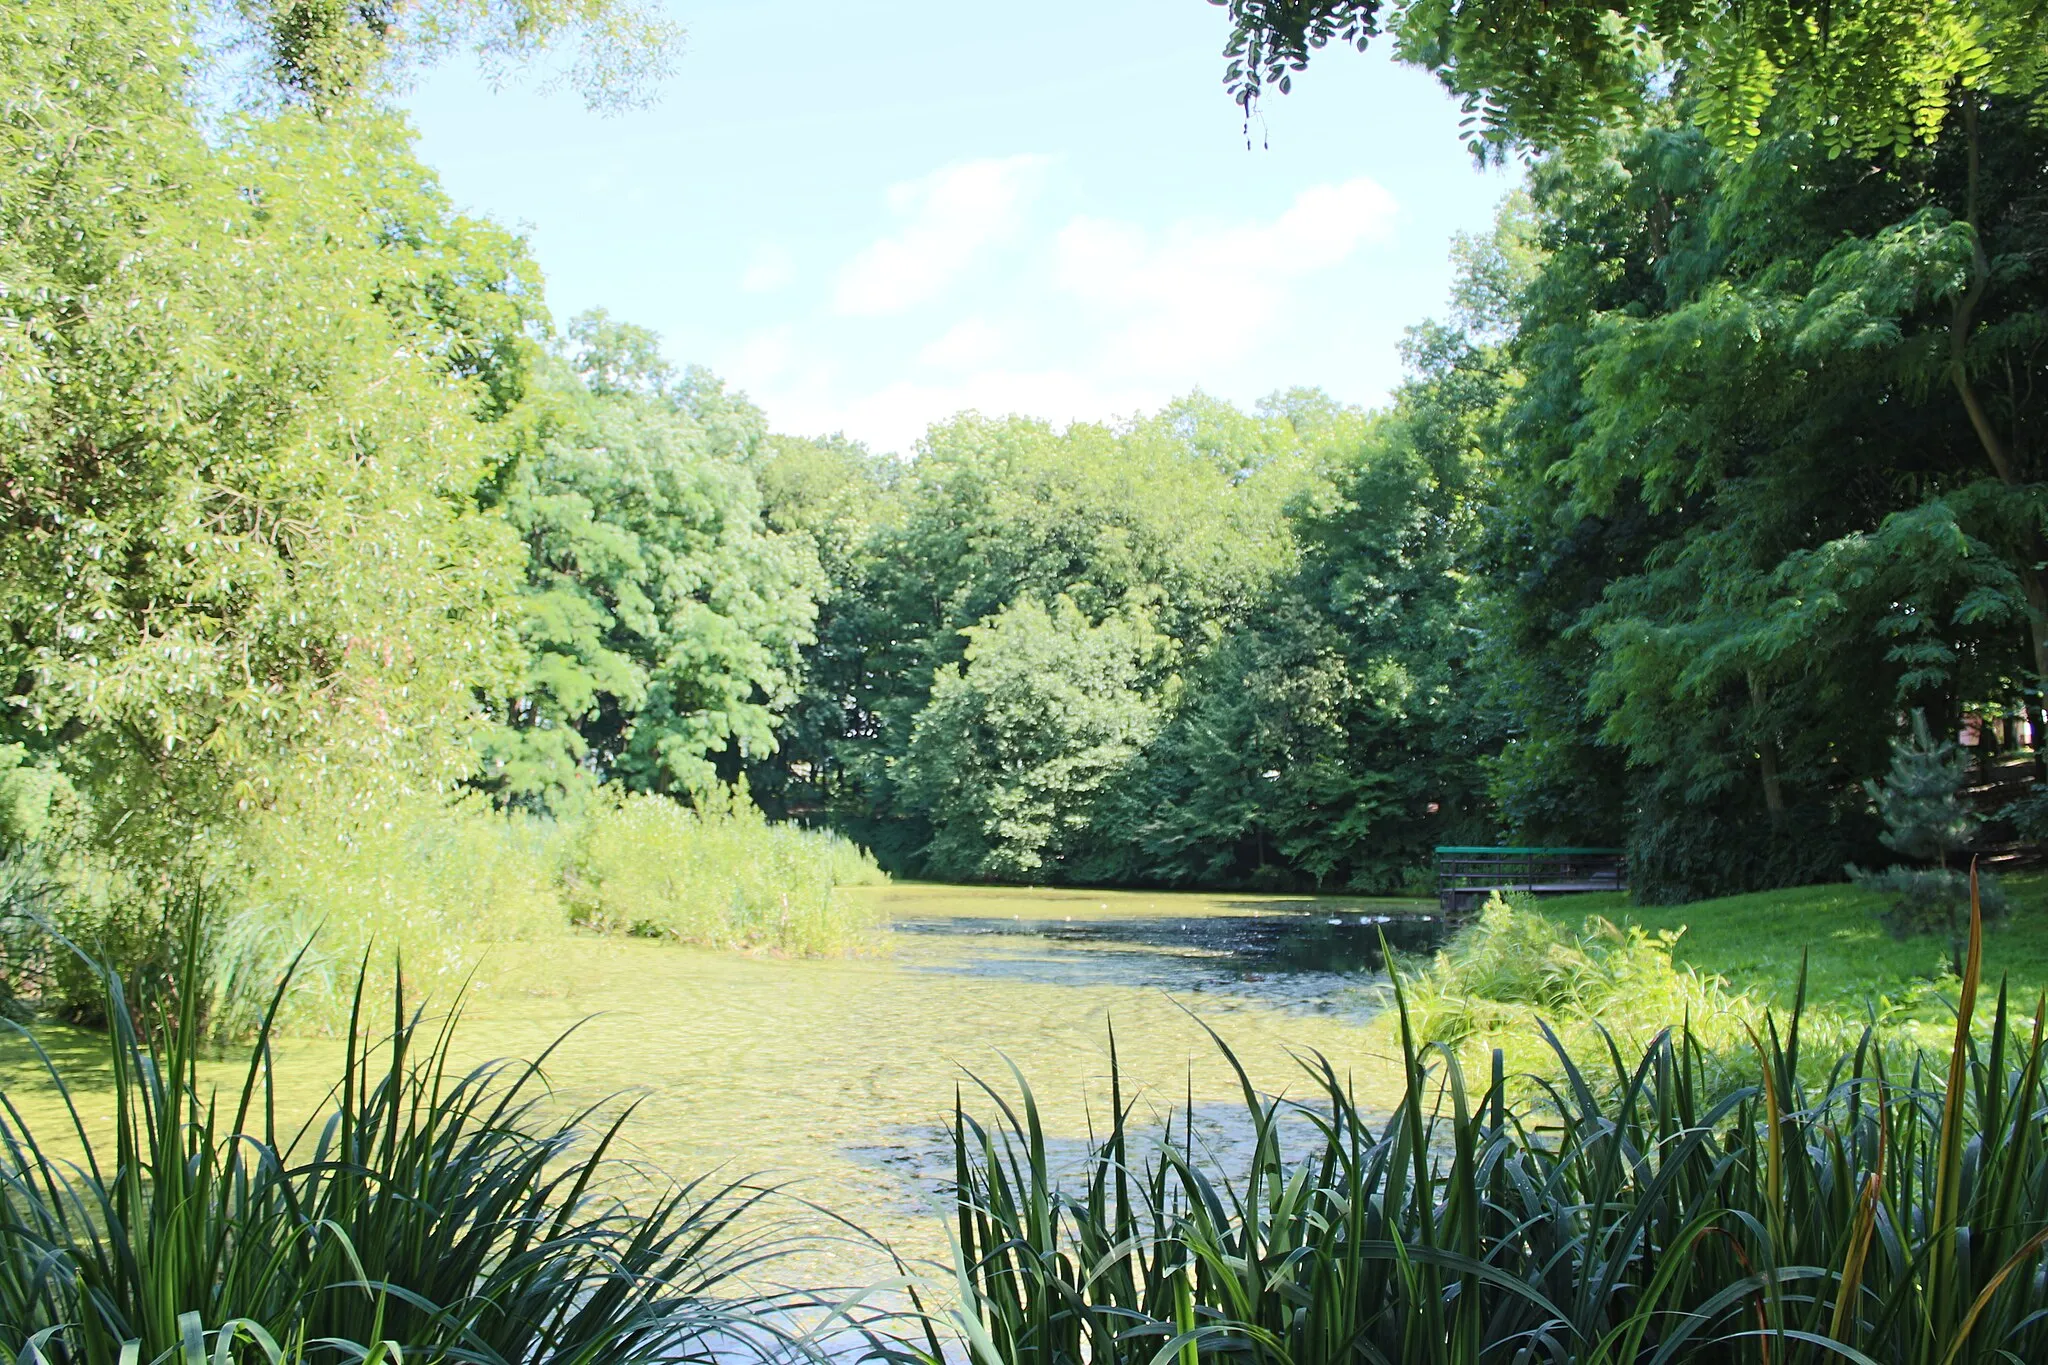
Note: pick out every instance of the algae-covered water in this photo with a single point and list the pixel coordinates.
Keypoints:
(838, 1076)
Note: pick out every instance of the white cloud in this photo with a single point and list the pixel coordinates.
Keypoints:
(1198, 294)
(951, 216)
(770, 268)
(966, 345)
(764, 355)
(1102, 319)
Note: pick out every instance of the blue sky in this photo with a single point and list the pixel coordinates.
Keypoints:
(870, 217)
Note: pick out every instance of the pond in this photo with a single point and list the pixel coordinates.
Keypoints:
(838, 1076)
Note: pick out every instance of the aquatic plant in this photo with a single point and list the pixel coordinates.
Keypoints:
(458, 1215)
(1632, 1213)
(720, 876)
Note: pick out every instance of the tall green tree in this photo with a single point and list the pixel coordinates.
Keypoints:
(1010, 756)
(1170, 521)
(251, 377)
(663, 618)
(1940, 101)
(1735, 538)
(1332, 737)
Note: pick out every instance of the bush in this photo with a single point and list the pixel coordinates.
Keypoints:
(719, 876)
(1929, 900)
(1516, 969)
(417, 883)
(416, 880)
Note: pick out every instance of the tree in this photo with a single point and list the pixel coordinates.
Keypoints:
(251, 378)
(663, 618)
(1332, 736)
(1920, 800)
(321, 54)
(1021, 738)
(1734, 539)
(1925, 818)
(1869, 78)
(1942, 101)
(837, 495)
(1166, 520)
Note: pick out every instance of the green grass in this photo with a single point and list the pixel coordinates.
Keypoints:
(1756, 943)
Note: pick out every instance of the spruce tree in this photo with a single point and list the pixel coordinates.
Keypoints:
(1921, 800)
(1926, 820)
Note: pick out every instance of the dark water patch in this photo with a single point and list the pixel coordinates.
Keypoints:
(1272, 942)
(913, 1163)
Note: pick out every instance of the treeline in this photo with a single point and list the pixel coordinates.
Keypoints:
(1687, 507)
(1726, 463)
(323, 537)
(1678, 520)
(1201, 648)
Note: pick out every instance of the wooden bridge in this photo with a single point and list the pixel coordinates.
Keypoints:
(1466, 876)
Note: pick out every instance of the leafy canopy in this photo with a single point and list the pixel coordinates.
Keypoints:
(1864, 77)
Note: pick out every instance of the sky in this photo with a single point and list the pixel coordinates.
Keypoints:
(871, 217)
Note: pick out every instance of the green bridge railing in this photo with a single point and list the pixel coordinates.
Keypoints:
(1466, 874)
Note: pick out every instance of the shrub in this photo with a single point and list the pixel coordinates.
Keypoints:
(1517, 971)
(1927, 820)
(720, 876)
(1928, 900)
(419, 882)
(416, 880)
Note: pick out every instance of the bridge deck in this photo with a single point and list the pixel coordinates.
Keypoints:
(1467, 875)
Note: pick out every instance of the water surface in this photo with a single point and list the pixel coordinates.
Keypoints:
(838, 1076)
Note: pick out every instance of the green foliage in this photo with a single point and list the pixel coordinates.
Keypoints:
(249, 384)
(1769, 373)
(719, 876)
(456, 1216)
(1212, 648)
(1874, 78)
(327, 53)
(1926, 900)
(352, 888)
(1921, 798)
(1638, 1211)
(1925, 818)
(1734, 445)
(35, 799)
(662, 619)
(1503, 980)
(1337, 726)
(1020, 739)
(419, 881)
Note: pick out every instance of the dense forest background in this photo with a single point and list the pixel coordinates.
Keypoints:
(321, 532)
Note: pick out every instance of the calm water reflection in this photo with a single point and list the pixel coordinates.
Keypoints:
(838, 1076)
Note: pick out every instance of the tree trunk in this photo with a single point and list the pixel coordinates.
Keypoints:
(2005, 461)
(1767, 755)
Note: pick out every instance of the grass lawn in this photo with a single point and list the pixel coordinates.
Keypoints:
(1756, 941)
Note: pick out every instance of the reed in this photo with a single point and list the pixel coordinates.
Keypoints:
(455, 1215)
(1634, 1211)
(719, 876)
